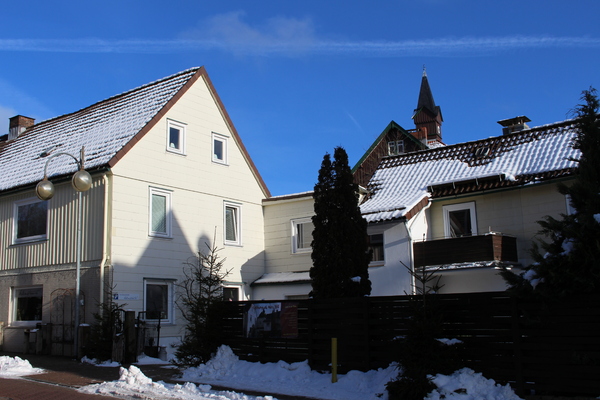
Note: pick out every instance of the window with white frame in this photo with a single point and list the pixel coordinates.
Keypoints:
(302, 229)
(27, 305)
(219, 148)
(30, 220)
(158, 300)
(159, 213)
(395, 147)
(376, 247)
(175, 137)
(231, 293)
(232, 224)
(460, 220)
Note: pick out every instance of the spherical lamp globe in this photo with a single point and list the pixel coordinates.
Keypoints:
(82, 181)
(44, 190)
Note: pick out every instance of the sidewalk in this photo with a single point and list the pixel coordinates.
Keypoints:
(64, 375)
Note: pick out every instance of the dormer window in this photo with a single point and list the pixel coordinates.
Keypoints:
(395, 147)
(175, 137)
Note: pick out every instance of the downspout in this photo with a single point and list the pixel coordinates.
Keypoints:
(107, 234)
(410, 247)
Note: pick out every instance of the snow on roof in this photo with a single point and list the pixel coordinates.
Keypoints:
(104, 129)
(283, 277)
(402, 182)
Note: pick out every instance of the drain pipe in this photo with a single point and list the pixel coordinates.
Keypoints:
(107, 234)
(410, 247)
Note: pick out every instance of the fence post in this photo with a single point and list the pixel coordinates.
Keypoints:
(334, 360)
(130, 338)
(517, 348)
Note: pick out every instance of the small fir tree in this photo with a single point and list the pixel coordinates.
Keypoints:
(567, 263)
(201, 304)
(340, 250)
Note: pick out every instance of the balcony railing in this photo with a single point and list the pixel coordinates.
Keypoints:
(489, 247)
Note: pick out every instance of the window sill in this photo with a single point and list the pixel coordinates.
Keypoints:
(23, 325)
(377, 264)
(179, 153)
(29, 241)
(160, 237)
(301, 253)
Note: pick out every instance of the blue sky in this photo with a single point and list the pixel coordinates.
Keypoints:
(300, 78)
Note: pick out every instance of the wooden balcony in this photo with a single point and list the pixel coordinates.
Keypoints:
(489, 247)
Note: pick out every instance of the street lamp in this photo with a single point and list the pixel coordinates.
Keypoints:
(81, 181)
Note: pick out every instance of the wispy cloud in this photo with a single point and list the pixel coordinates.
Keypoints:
(390, 49)
(290, 37)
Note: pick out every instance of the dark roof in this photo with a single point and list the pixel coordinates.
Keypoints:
(107, 129)
(402, 182)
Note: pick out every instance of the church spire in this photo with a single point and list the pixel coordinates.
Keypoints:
(427, 117)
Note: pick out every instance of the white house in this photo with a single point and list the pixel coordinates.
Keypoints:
(460, 212)
(170, 173)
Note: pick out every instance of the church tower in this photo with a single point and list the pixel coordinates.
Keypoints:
(427, 116)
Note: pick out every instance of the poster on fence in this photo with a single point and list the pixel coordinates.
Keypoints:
(271, 320)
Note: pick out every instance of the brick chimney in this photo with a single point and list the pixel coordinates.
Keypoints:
(18, 124)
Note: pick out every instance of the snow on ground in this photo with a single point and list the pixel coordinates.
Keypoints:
(296, 379)
(12, 367)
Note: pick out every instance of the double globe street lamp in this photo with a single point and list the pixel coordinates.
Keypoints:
(81, 181)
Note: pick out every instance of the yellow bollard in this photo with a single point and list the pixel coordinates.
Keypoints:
(334, 360)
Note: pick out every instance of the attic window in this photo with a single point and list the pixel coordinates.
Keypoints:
(395, 147)
(175, 137)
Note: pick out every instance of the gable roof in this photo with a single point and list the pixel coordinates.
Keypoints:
(382, 135)
(403, 184)
(107, 129)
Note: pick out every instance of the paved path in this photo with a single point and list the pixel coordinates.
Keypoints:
(62, 376)
(24, 389)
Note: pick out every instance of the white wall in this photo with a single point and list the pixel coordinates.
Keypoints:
(279, 214)
(198, 188)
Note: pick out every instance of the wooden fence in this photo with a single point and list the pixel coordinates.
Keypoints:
(546, 348)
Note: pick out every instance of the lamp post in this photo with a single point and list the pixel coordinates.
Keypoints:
(81, 181)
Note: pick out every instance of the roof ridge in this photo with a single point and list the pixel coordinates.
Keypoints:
(451, 147)
(122, 94)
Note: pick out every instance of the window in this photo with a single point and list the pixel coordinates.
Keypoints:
(175, 137)
(160, 213)
(219, 148)
(395, 147)
(302, 235)
(570, 209)
(376, 247)
(460, 220)
(158, 300)
(27, 305)
(232, 224)
(231, 293)
(30, 220)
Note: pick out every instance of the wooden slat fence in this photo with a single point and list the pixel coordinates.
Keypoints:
(546, 348)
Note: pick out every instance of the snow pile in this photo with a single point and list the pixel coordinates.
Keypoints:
(11, 367)
(98, 363)
(225, 369)
(466, 384)
(133, 383)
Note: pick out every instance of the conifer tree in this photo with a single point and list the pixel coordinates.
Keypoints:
(340, 251)
(201, 304)
(569, 261)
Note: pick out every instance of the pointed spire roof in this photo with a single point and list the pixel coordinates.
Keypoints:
(425, 96)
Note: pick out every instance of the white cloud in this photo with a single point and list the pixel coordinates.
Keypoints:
(283, 36)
